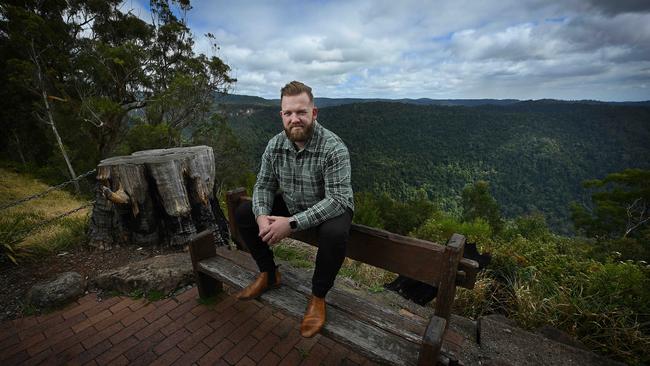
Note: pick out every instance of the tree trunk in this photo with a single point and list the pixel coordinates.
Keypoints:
(157, 197)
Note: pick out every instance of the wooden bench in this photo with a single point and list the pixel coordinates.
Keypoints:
(368, 327)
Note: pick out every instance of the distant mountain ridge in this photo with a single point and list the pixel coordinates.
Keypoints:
(332, 102)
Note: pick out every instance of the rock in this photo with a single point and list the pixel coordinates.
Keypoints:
(63, 289)
(163, 273)
(559, 336)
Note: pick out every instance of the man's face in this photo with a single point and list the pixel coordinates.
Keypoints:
(298, 116)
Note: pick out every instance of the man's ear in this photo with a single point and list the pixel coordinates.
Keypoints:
(314, 112)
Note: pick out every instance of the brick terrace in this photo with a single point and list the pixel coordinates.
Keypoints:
(179, 331)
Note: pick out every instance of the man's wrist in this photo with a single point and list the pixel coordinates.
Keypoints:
(293, 224)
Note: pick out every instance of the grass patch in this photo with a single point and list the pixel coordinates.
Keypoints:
(63, 234)
(155, 295)
(297, 255)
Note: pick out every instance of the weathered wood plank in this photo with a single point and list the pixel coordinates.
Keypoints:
(372, 313)
(447, 286)
(432, 342)
(369, 340)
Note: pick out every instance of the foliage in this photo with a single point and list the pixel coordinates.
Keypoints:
(144, 137)
(478, 203)
(621, 206)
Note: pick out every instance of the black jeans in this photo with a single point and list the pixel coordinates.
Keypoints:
(333, 236)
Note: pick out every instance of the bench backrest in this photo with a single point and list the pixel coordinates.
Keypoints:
(418, 259)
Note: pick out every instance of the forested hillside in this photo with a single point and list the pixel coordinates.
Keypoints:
(534, 154)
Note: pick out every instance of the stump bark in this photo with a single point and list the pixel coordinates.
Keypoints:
(157, 197)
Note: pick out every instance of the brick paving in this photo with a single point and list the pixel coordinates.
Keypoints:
(175, 331)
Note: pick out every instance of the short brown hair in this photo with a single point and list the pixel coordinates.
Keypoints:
(296, 88)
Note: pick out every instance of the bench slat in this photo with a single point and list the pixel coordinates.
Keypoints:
(376, 314)
(369, 340)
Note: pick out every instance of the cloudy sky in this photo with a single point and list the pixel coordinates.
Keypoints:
(570, 49)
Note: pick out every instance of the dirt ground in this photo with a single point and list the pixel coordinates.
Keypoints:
(16, 280)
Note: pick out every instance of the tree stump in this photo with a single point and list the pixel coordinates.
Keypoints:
(157, 197)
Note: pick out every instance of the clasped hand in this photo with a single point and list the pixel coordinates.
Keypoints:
(273, 228)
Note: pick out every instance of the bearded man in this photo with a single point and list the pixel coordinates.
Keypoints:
(303, 184)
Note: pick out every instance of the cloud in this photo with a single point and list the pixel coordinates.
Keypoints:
(575, 49)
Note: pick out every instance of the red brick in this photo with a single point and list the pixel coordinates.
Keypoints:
(219, 334)
(189, 295)
(69, 342)
(168, 357)
(102, 335)
(144, 346)
(177, 324)
(78, 309)
(284, 327)
(91, 321)
(9, 341)
(51, 322)
(47, 316)
(195, 338)
(279, 314)
(369, 363)
(116, 350)
(316, 355)
(202, 320)
(240, 349)
(86, 298)
(162, 308)
(292, 358)
(41, 357)
(24, 323)
(16, 358)
(66, 324)
(327, 342)
(216, 353)
(144, 359)
(193, 355)
(171, 341)
(245, 361)
(11, 351)
(137, 304)
(243, 316)
(243, 330)
(63, 356)
(306, 344)
(336, 355)
(47, 342)
(225, 303)
(153, 327)
(224, 317)
(263, 314)
(286, 344)
(263, 347)
(139, 314)
(101, 306)
(128, 331)
(123, 303)
(121, 360)
(266, 326)
(91, 352)
(182, 309)
(271, 359)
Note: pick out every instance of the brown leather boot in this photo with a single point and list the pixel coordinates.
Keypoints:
(314, 318)
(259, 286)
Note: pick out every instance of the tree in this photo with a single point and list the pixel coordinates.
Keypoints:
(620, 206)
(479, 203)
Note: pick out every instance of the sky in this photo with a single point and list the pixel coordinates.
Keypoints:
(448, 49)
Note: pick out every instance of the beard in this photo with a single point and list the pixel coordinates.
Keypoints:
(299, 134)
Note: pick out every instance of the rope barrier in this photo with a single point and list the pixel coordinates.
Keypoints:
(42, 194)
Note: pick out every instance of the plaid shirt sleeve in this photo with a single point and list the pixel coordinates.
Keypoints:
(266, 185)
(338, 188)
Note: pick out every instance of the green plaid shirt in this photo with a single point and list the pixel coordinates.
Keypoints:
(314, 182)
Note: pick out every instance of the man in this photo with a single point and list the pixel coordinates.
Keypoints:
(303, 184)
